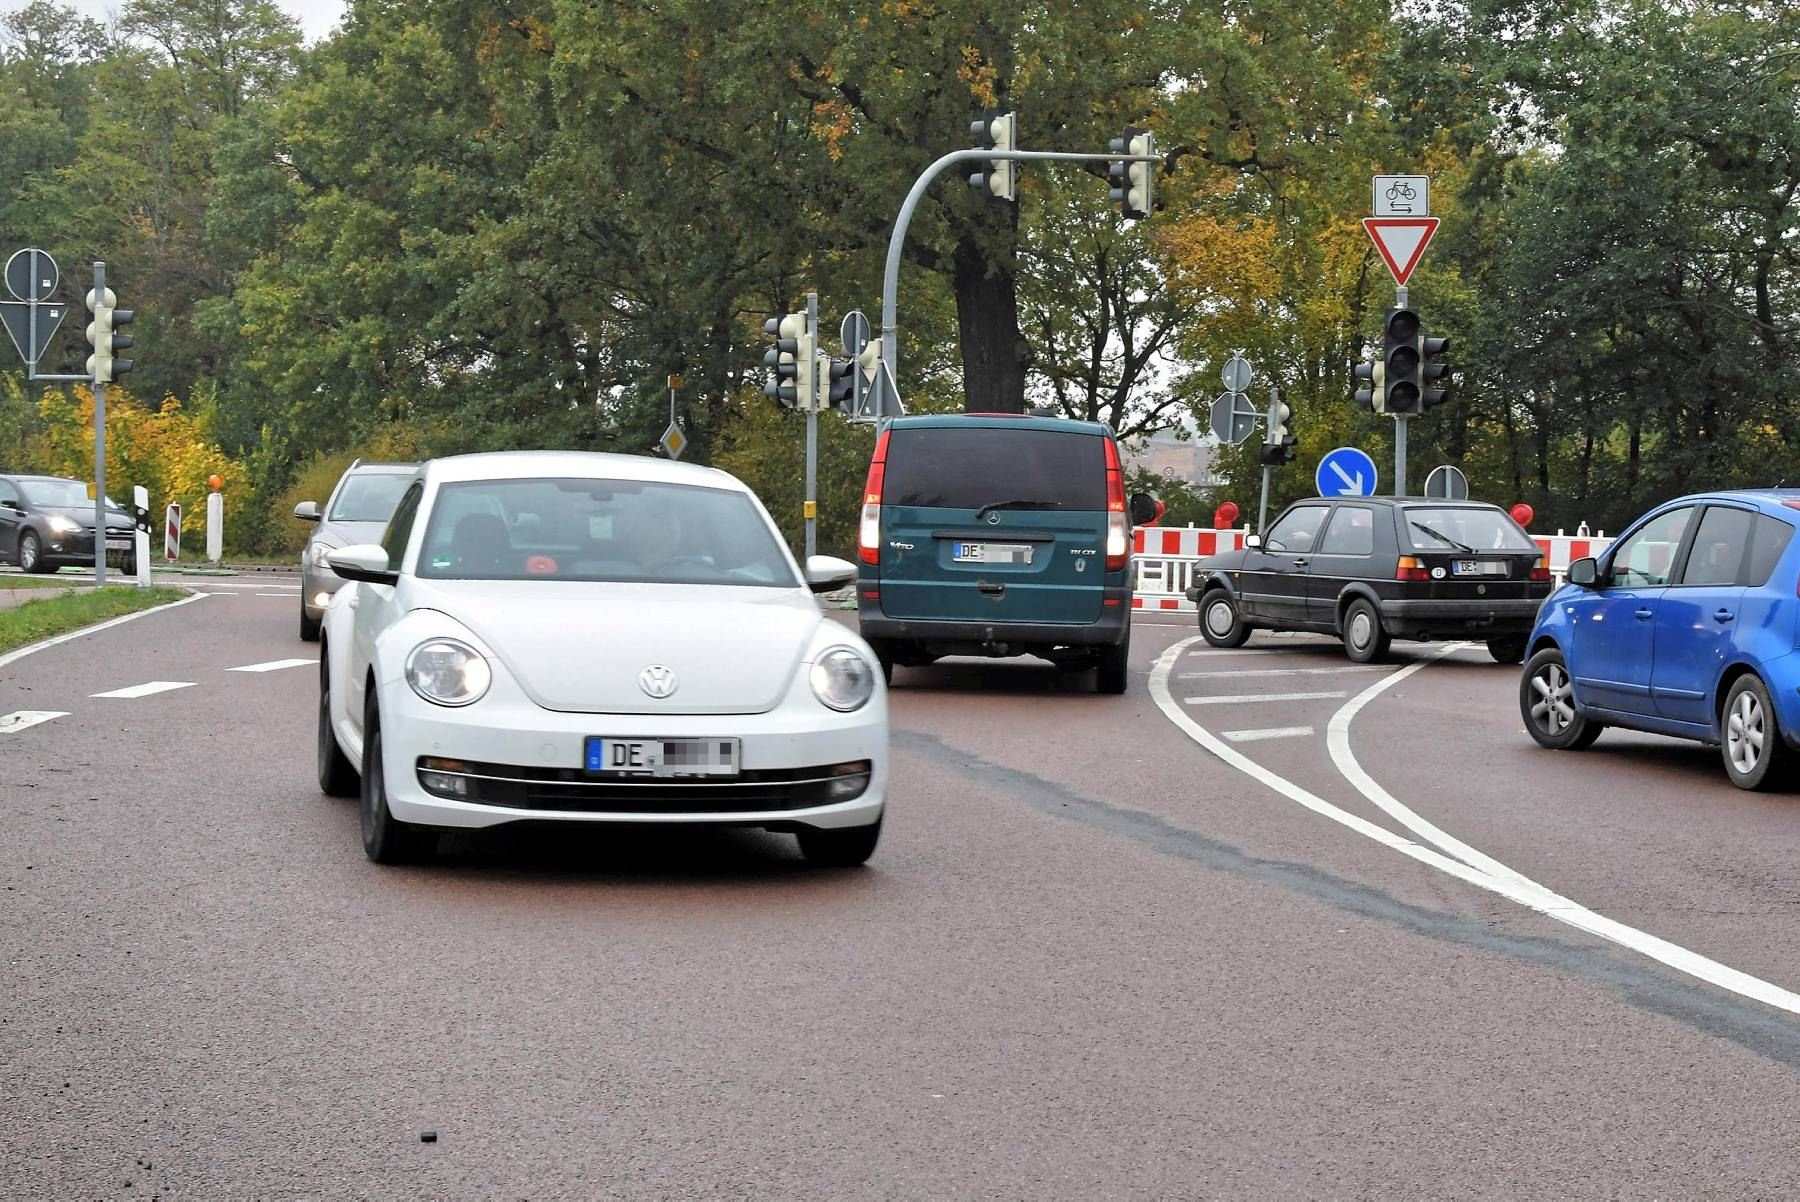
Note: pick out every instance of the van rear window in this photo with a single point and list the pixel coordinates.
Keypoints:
(950, 468)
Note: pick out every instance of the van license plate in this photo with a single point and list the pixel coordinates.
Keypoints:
(991, 552)
(660, 757)
(1478, 567)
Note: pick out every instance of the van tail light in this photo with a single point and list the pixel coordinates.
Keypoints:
(1540, 571)
(1118, 525)
(1410, 568)
(868, 541)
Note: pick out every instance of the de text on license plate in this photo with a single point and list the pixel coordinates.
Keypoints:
(991, 552)
(660, 757)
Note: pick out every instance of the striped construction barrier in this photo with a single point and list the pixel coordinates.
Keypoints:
(1163, 560)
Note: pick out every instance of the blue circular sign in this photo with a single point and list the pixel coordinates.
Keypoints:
(1346, 472)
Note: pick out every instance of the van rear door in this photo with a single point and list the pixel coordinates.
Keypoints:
(988, 520)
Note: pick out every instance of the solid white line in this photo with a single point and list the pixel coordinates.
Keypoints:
(145, 690)
(282, 596)
(1244, 698)
(59, 640)
(274, 665)
(1511, 886)
(12, 724)
(1280, 671)
(1272, 732)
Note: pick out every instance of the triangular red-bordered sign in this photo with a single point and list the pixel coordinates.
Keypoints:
(1401, 241)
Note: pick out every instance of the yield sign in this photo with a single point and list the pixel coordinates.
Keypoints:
(1401, 241)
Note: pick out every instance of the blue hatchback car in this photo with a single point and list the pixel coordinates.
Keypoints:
(1686, 626)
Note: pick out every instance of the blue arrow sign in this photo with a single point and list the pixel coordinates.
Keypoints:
(1345, 472)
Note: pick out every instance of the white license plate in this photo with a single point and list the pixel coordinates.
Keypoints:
(605, 756)
(991, 552)
(1478, 567)
(118, 544)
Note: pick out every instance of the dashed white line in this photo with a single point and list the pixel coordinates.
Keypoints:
(282, 596)
(1271, 732)
(1511, 885)
(274, 665)
(1280, 671)
(12, 724)
(1247, 698)
(147, 689)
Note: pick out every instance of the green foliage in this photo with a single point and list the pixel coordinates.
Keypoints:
(48, 616)
(765, 447)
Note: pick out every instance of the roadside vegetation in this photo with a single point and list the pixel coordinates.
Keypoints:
(48, 616)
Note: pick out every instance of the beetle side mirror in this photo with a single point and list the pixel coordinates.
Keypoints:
(827, 574)
(1585, 572)
(367, 562)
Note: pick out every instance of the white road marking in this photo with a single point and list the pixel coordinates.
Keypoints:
(12, 724)
(1511, 885)
(1246, 698)
(1271, 732)
(282, 596)
(275, 665)
(1280, 671)
(146, 690)
(59, 640)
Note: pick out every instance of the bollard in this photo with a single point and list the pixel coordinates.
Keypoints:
(215, 521)
(140, 533)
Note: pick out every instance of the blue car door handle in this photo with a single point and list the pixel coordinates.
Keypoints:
(1644, 615)
(1723, 615)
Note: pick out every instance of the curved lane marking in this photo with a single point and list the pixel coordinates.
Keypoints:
(46, 644)
(1502, 880)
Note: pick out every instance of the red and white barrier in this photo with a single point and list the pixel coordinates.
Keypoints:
(1163, 560)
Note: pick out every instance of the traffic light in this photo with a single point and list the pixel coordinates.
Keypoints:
(996, 129)
(839, 387)
(791, 361)
(1134, 184)
(1431, 370)
(1370, 396)
(101, 365)
(1278, 444)
(1400, 361)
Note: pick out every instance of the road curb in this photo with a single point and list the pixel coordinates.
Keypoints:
(20, 653)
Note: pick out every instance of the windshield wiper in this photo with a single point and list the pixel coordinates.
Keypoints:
(1443, 538)
(1023, 503)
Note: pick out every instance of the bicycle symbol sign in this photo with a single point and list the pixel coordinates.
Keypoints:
(1402, 196)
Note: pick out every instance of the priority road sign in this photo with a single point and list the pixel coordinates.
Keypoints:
(1401, 241)
(1345, 472)
(674, 442)
(1233, 418)
(1447, 483)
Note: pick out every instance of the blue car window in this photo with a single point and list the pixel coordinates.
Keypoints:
(1647, 557)
(1719, 544)
(1766, 546)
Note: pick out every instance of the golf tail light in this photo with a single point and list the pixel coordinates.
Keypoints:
(1118, 525)
(1540, 571)
(868, 541)
(1410, 568)
(446, 672)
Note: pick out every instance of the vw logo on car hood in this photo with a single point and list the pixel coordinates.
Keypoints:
(658, 681)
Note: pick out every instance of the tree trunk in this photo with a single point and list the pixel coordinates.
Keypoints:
(994, 351)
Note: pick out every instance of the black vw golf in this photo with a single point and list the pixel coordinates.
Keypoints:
(1373, 569)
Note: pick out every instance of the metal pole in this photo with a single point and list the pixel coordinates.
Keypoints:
(812, 427)
(890, 278)
(1262, 510)
(99, 443)
(1400, 456)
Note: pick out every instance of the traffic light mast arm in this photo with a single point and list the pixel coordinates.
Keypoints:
(890, 280)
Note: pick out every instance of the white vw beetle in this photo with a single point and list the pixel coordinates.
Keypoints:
(577, 637)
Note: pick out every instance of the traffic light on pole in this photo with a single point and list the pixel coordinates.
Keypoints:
(839, 385)
(790, 360)
(996, 129)
(102, 366)
(1400, 362)
(1134, 184)
(1278, 444)
(1432, 369)
(1370, 396)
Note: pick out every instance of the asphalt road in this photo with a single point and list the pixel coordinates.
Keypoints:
(1109, 947)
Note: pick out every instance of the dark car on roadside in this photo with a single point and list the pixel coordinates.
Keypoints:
(998, 535)
(47, 522)
(1373, 569)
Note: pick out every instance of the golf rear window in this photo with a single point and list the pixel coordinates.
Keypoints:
(949, 468)
(1464, 530)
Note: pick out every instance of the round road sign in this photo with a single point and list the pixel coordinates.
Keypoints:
(1236, 374)
(1447, 483)
(31, 275)
(855, 333)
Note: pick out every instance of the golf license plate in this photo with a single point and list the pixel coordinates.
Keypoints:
(991, 552)
(1478, 567)
(606, 756)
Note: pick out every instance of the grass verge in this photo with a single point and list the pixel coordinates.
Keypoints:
(47, 617)
(10, 581)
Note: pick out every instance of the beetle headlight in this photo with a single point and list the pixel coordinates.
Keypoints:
(446, 672)
(843, 679)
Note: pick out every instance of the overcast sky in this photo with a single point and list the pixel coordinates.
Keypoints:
(316, 17)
